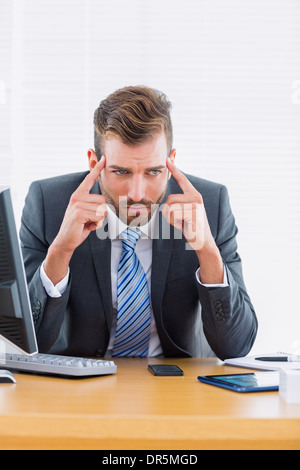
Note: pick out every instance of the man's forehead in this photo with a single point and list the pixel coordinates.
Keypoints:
(152, 153)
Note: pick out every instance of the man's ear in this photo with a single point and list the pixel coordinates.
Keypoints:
(92, 157)
(172, 158)
(172, 155)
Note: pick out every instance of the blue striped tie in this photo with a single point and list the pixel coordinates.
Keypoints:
(133, 320)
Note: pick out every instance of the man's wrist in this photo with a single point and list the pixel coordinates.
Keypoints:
(52, 290)
(56, 264)
(211, 264)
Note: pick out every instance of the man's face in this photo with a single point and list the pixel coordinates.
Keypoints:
(135, 178)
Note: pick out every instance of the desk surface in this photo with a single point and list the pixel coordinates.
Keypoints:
(136, 410)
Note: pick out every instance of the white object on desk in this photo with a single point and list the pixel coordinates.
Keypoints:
(251, 362)
(289, 385)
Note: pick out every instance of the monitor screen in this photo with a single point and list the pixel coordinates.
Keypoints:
(16, 324)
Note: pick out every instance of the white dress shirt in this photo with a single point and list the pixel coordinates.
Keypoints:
(144, 252)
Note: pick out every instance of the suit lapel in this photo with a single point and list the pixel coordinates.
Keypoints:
(101, 250)
(100, 245)
(161, 254)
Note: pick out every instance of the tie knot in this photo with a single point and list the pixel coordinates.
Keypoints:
(130, 238)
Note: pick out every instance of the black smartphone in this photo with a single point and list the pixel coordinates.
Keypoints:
(165, 369)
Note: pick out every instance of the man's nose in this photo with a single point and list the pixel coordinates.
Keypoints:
(136, 190)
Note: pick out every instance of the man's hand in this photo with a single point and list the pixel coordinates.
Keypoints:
(186, 212)
(84, 214)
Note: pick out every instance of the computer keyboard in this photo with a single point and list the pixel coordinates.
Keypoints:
(57, 365)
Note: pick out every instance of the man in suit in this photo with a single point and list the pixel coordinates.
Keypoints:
(71, 244)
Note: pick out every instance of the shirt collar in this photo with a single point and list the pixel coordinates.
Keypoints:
(116, 226)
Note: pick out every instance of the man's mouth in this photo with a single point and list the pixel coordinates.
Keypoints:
(133, 209)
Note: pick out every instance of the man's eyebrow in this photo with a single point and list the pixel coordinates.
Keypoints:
(158, 167)
(117, 167)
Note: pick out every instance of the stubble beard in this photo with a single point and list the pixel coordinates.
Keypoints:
(125, 205)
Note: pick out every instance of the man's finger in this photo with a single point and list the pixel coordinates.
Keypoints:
(92, 177)
(181, 179)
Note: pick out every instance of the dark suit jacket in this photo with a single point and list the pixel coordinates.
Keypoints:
(79, 322)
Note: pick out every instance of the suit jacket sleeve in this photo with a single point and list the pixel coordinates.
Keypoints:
(229, 320)
(34, 248)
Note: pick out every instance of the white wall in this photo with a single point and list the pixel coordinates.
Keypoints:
(231, 69)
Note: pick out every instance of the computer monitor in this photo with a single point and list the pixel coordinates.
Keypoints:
(16, 323)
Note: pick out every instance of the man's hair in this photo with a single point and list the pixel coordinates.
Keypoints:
(133, 114)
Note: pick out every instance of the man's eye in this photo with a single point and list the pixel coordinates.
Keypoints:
(154, 172)
(120, 172)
